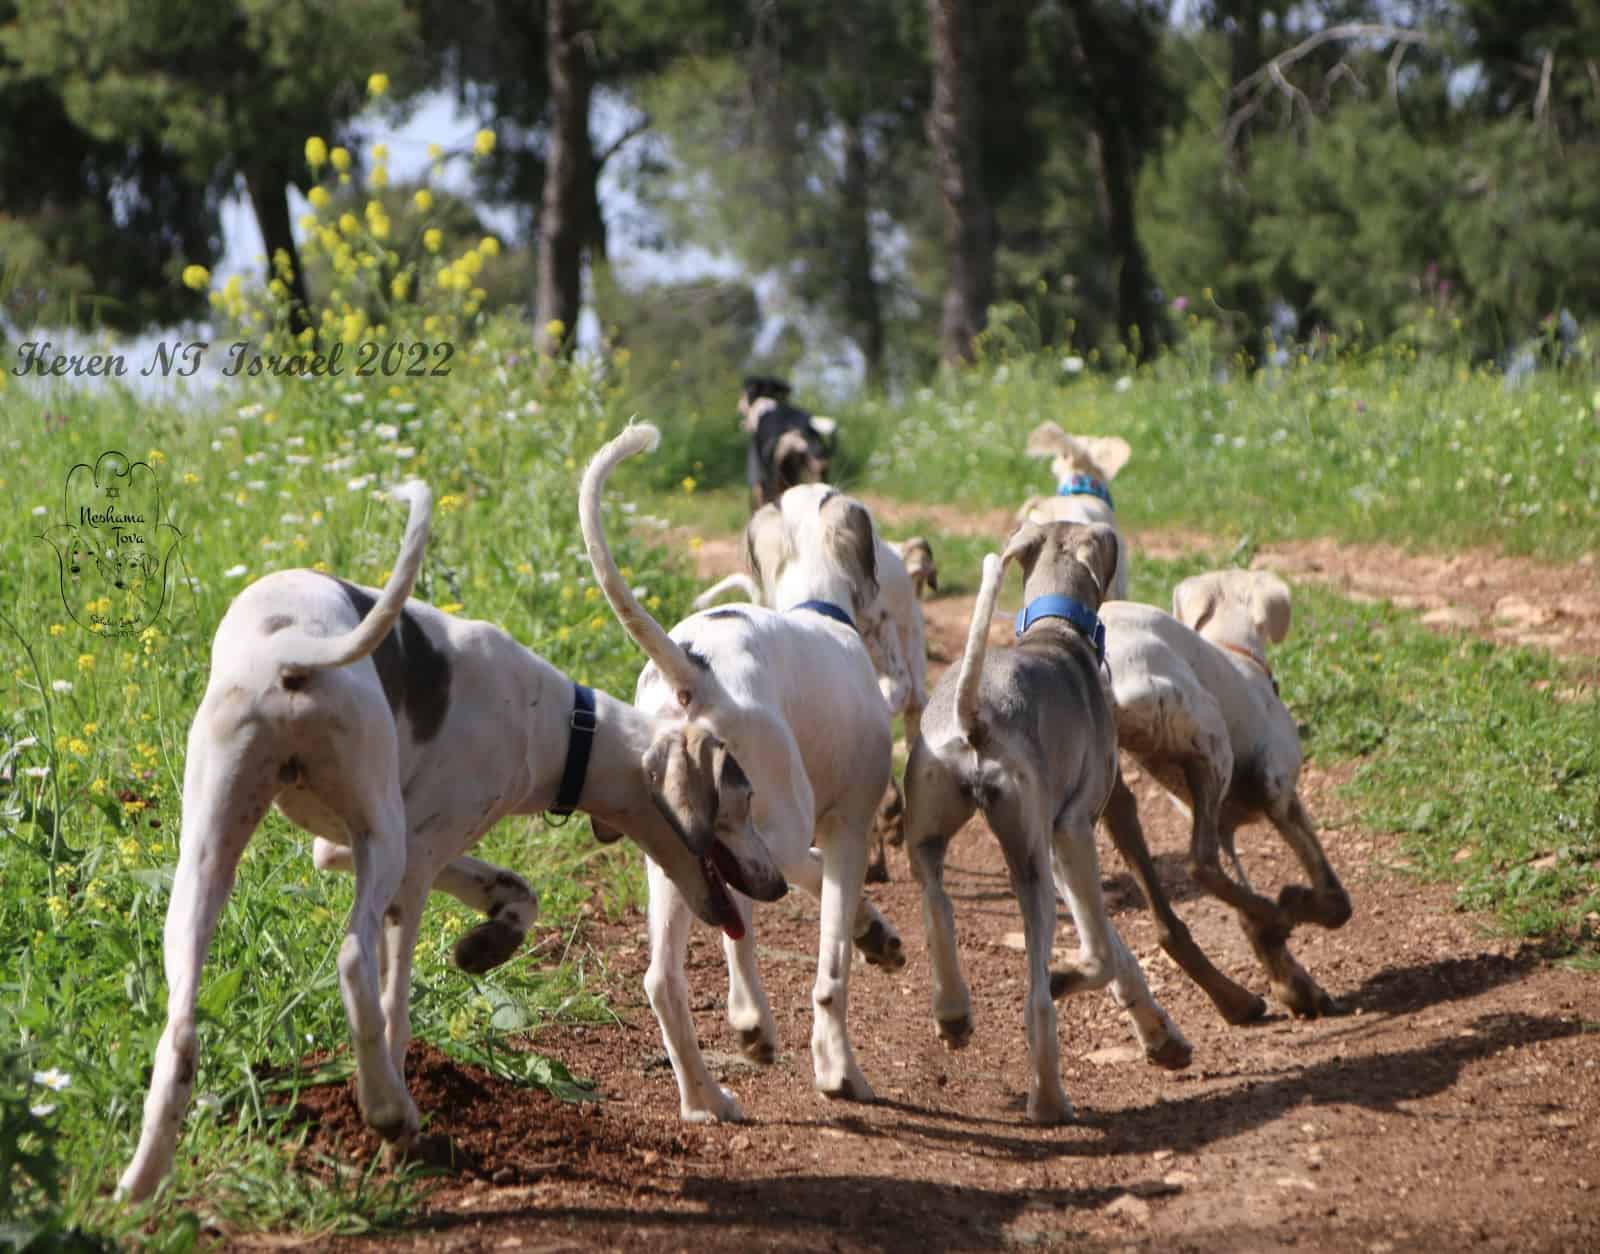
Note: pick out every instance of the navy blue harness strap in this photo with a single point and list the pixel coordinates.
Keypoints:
(1085, 485)
(579, 745)
(828, 610)
(1075, 612)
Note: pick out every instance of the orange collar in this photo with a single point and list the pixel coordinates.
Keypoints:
(1258, 662)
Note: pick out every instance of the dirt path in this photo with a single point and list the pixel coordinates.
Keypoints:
(1457, 1105)
(1511, 600)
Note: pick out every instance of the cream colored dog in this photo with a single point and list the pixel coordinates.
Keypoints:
(1196, 704)
(1083, 466)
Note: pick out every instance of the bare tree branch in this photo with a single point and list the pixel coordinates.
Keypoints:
(611, 149)
(1542, 99)
(1253, 90)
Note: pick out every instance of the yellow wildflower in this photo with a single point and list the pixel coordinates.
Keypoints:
(432, 238)
(58, 629)
(379, 178)
(318, 196)
(377, 84)
(196, 277)
(483, 143)
(316, 152)
(399, 285)
(155, 457)
(435, 151)
(688, 485)
(85, 661)
(555, 329)
(489, 246)
(78, 746)
(423, 200)
(597, 622)
(98, 788)
(340, 158)
(190, 477)
(348, 223)
(89, 729)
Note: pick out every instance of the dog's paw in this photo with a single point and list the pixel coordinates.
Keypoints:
(880, 945)
(1172, 1054)
(956, 1033)
(723, 1107)
(851, 1087)
(487, 946)
(757, 1045)
(1305, 998)
(1248, 1007)
(1047, 1108)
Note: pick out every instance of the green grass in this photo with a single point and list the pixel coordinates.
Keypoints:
(1455, 745)
(1378, 447)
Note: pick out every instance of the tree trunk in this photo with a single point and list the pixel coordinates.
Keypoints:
(566, 217)
(269, 197)
(953, 133)
(862, 304)
(1111, 81)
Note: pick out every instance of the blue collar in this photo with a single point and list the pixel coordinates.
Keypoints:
(580, 743)
(1085, 485)
(1075, 612)
(828, 610)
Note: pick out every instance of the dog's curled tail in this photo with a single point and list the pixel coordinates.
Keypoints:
(971, 673)
(649, 635)
(313, 653)
(733, 583)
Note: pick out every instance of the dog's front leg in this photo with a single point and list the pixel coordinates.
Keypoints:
(749, 1011)
(844, 865)
(1326, 903)
(216, 829)
(379, 854)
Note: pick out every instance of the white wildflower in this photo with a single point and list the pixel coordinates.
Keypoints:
(386, 431)
(54, 1079)
(36, 772)
(1072, 364)
(236, 572)
(61, 685)
(251, 411)
(405, 453)
(1124, 383)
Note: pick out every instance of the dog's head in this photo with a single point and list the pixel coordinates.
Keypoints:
(1244, 607)
(917, 554)
(758, 394)
(702, 792)
(1068, 559)
(1098, 456)
(814, 542)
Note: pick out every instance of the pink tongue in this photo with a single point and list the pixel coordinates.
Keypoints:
(734, 930)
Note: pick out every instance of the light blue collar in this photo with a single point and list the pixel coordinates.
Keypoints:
(1085, 485)
(1075, 612)
(828, 610)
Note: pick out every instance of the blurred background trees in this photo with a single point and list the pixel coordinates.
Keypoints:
(869, 187)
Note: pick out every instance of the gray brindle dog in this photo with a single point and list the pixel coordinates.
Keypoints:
(1027, 736)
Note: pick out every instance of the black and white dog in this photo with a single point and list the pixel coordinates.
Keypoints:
(788, 446)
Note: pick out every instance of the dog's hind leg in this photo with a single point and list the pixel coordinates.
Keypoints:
(1291, 983)
(844, 864)
(402, 920)
(379, 852)
(1326, 902)
(1104, 957)
(700, 1098)
(749, 1011)
(505, 897)
(228, 784)
(1235, 1003)
(1024, 839)
(872, 934)
(935, 810)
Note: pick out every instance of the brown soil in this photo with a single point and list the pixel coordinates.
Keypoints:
(1456, 1105)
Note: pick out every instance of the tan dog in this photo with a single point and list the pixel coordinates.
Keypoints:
(1196, 704)
(1027, 736)
(1083, 466)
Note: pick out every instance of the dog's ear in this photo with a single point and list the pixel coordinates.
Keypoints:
(765, 545)
(733, 788)
(681, 769)
(1109, 452)
(1023, 546)
(825, 427)
(1047, 440)
(1269, 605)
(1195, 600)
(847, 531)
(1097, 548)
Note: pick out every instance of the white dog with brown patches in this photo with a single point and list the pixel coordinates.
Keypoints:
(791, 691)
(1083, 466)
(399, 735)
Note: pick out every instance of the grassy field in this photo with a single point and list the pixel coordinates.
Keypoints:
(1455, 746)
